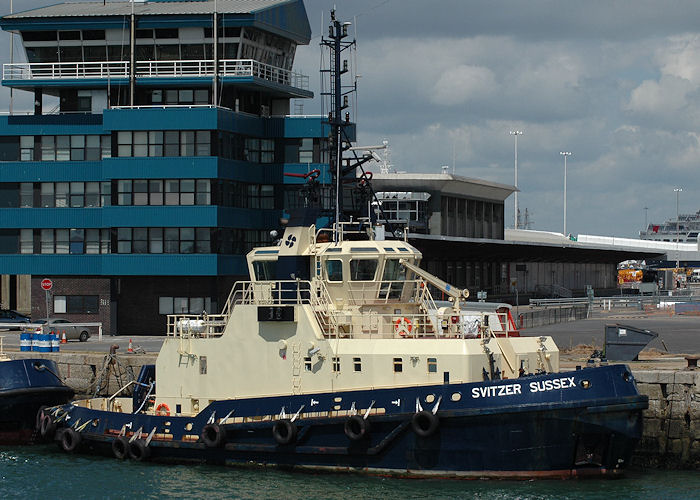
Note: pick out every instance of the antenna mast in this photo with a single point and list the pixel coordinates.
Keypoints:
(338, 97)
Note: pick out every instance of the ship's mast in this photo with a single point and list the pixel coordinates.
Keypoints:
(338, 97)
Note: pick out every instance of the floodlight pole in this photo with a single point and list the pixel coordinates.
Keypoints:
(565, 154)
(516, 133)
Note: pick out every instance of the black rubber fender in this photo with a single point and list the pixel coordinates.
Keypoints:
(213, 435)
(425, 423)
(70, 440)
(138, 450)
(120, 447)
(39, 416)
(47, 428)
(284, 431)
(356, 428)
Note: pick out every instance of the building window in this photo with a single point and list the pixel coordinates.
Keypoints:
(398, 365)
(336, 364)
(67, 147)
(185, 305)
(76, 304)
(432, 365)
(164, 143)
(168, 191)
(357, 364)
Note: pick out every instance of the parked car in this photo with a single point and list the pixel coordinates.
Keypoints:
(60, 325)
(12, 319)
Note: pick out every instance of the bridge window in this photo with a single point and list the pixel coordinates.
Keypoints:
(334, 270)
(398, 365)
(357, 362)
(363, 270)
(264, 269)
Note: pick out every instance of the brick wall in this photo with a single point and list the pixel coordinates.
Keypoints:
(74, 286)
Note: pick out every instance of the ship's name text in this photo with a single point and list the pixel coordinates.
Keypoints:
(512, 389)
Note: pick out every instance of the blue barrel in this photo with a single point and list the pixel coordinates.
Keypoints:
(55, 343)
(25, 341)
(35, 342)
(45, 342)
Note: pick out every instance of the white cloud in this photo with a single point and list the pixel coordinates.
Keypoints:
(463, 83)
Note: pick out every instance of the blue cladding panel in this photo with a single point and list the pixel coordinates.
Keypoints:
(51, 124)
(125, 265)
(50, 171)
(161, 216)
(187, 167)
(160, 119)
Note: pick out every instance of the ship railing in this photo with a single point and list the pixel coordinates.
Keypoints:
(195, 325)
(285, 292)
(323, 308)
(349, 323)
(387, 291)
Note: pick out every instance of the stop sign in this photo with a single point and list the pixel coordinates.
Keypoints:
(46, 284)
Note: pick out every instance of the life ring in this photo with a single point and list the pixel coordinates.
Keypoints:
(356, 428)
(425, 423)
(284, 431)
(403, 326)
(163, 410)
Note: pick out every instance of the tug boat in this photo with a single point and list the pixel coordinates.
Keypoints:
(26, 386)
(349, 366)
(334, 356)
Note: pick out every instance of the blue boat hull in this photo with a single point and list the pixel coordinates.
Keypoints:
(25, 386)
(557, 425)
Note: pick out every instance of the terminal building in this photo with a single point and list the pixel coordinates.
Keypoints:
(161, 162)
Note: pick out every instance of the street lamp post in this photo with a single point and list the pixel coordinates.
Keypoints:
(565, 154)
(516, 133)
(678, 228)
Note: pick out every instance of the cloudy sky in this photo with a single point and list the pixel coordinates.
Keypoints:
(616, 82)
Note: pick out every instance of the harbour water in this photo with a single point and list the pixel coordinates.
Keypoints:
(45, 472)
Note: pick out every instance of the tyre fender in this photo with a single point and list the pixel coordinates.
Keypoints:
(425, 423)
(284, 431)
(70, 440)
(212, 435)
(356, 428)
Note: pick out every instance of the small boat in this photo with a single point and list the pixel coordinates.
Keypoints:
(333, 355)
(26, 386)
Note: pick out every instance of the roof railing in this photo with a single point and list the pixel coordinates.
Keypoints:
(154, 69)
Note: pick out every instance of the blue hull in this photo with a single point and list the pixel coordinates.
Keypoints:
(25, 386)
(556, 425)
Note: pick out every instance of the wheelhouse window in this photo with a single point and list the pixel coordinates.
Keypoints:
(334, 270)
(363, 269)
(264, 269)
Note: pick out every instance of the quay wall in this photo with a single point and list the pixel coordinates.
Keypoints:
(672, 422)
(671, 436)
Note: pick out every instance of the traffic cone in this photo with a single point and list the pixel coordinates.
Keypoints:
(130, 349)
(63, 338)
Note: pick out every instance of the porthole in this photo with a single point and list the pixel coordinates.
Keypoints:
(430, 398)
(585, 384)
(627, 376)
(337, 399)
(456, 396)
(188, 427)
